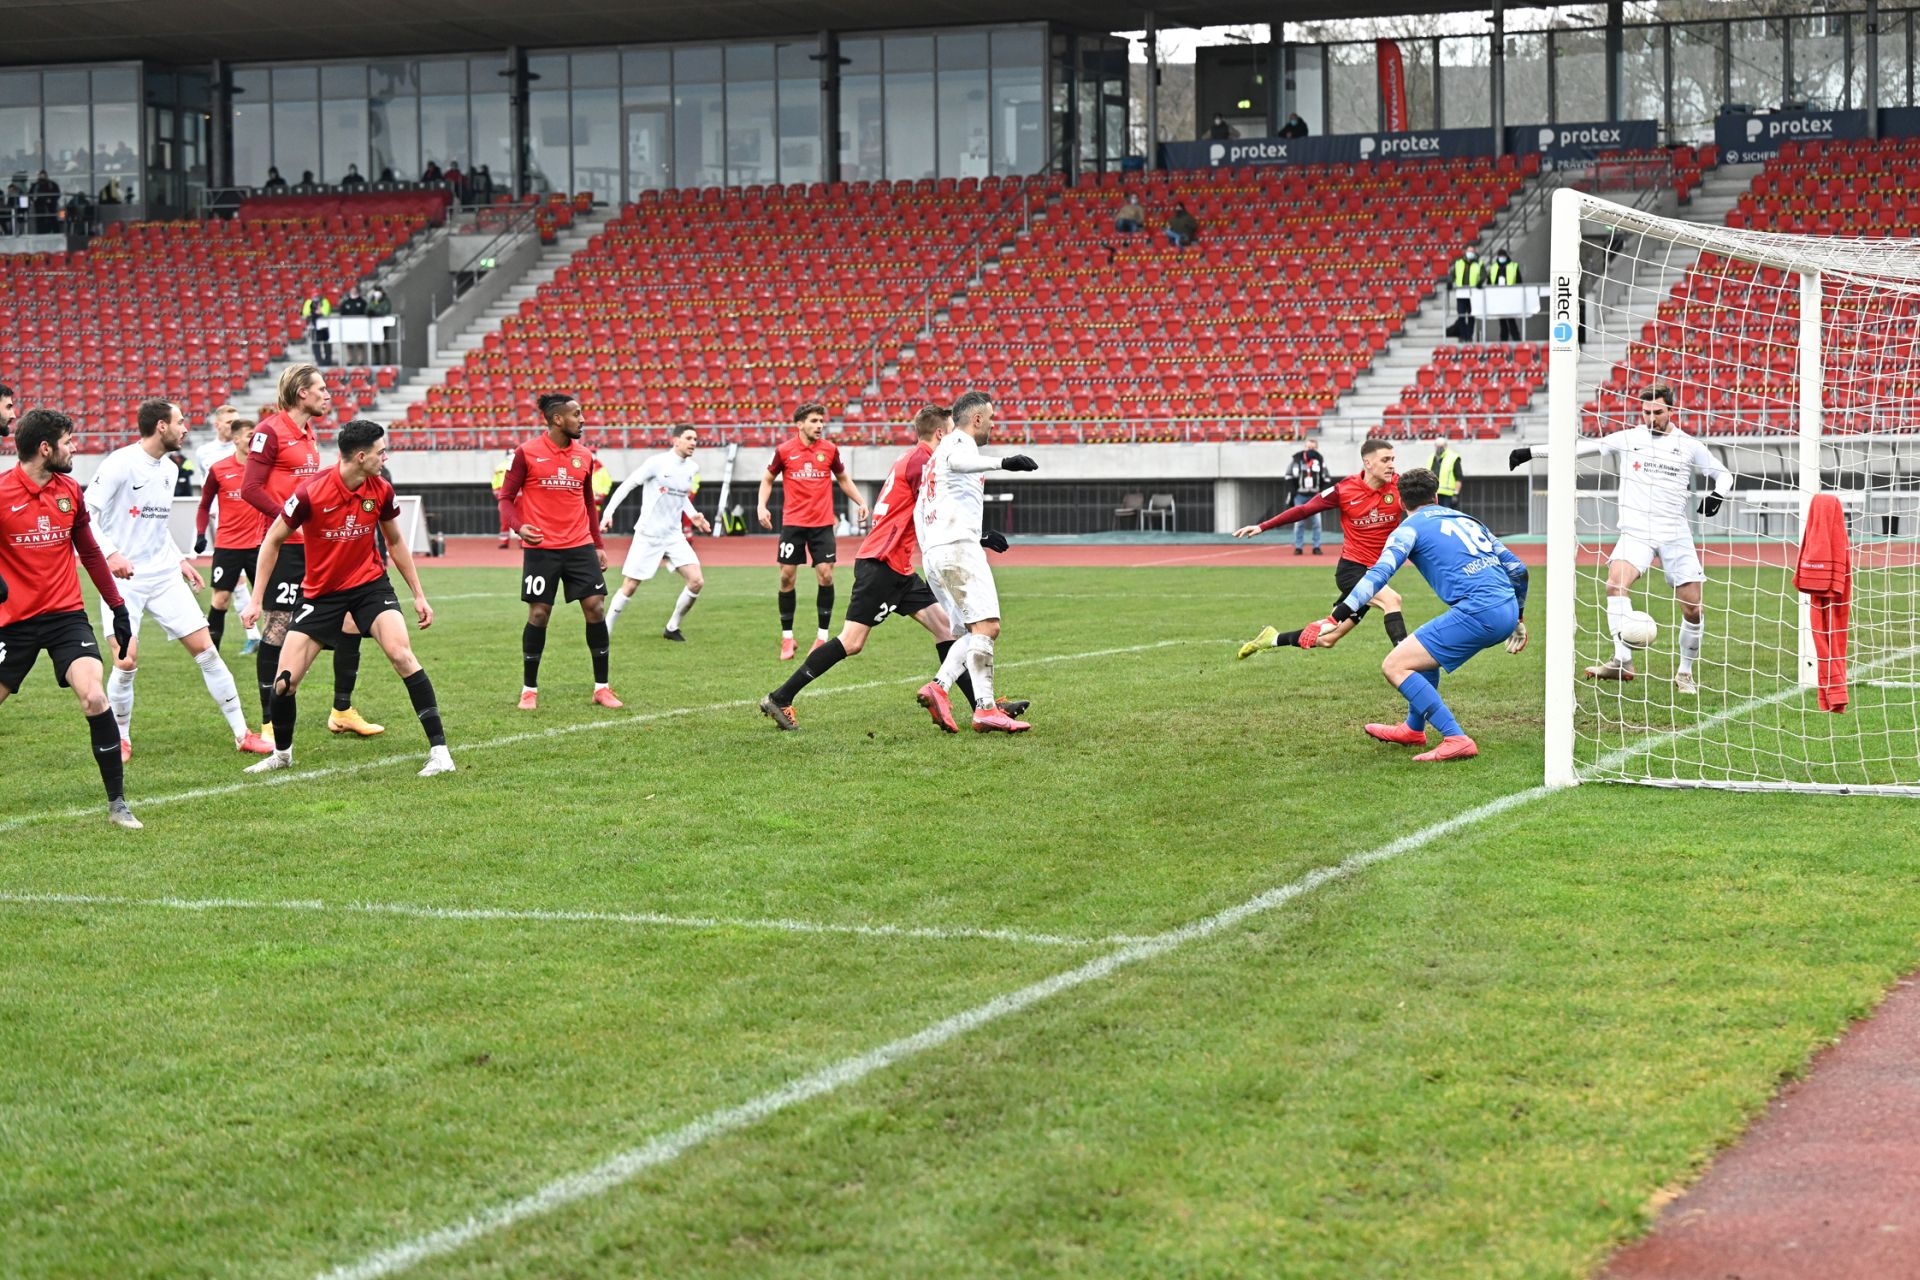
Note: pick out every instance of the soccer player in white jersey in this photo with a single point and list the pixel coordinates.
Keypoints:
(1657, 462)
(670, 480)
(947, 520)
(131, 501)
(217, 450)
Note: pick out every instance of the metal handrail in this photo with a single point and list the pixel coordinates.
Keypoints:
(520, 225)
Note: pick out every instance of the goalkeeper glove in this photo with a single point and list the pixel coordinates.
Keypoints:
(1710, 505)
(1341, 612)
(200, 545)
(994, 541)
(1518, 640)
(1019, 462)
(122, 629)
(1519, 458)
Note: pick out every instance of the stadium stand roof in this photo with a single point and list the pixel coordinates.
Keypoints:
(197, 31)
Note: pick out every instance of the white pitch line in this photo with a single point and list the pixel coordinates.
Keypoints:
(536, 735)
(1228, 554)
(667, 1147)
(648, 919)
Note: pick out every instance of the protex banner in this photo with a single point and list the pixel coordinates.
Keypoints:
(1754, 139)
(1349, 148)
(1559, 144)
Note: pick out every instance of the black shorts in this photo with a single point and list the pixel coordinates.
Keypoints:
(61, 636)
(878, 591)
(1346, 576)
(797, 542)
(282, 592)
(542, 573)
(230, 563)
(322, 617)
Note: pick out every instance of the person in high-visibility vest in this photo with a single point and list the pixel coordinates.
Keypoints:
(602, 481)
(500, 479)
(1504, 270)
(1467, 272)
(314, 312)
(1445, 463)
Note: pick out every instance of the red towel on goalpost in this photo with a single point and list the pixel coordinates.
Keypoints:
(1825, 572)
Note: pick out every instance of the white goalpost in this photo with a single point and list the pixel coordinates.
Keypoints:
(1796, 361)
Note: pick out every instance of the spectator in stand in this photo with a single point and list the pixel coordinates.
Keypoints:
(1445, 463)
(111, 193)
(45, 195)
(1130, 216)
(1182, 228)
(80, 220)
(352, 180)
(386, 175)
(314, 311)
(379, 304)
(1467, 272)
(1307, 474)
(1220, 130)
(457, 180)
(274, 181)
(306, 180)
(1295, 127)
(355, 305)
(1503, 271)
(14, 220)
(432, 172)
(482, 185)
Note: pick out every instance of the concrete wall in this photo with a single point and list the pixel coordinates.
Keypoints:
(514, 260)
(412, 293)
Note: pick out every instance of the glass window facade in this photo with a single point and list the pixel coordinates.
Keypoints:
(1896, 61)
(1579, 76)
(1757, 63)
(1466, 87)
(82, 125)
(1353, 89)
(1643, 74)
(1699, 79)
(1526, 79)
(1821, 63)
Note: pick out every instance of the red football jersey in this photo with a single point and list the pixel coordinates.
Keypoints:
(283, 455)
(891, 539)
(341, 554)
(241, 528)
(552, 489)
(809, 471)
(1368, 516)
(36, 545)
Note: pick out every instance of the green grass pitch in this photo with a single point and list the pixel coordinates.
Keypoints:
(289, 1028)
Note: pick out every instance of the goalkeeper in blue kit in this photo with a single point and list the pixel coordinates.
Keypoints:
(1484, 586)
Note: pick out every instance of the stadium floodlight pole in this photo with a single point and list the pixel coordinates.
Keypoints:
(1563, 497)
(1812, 379)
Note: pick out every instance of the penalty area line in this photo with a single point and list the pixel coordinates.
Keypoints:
(666, 1147)
(645, 919)
(539, 735)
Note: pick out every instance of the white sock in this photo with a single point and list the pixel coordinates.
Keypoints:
(614, 607)
(1618, 607)
(786, 635)
(980, 667)
(682, 607)
(120, 699)
(225, 695)
(824, 637)
(241, 599)
(1691, 634)
(955, 662)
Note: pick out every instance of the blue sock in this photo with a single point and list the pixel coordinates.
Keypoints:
(1425, 701)
(1415, 720)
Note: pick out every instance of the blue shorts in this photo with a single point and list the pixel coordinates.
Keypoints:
(1459, 633)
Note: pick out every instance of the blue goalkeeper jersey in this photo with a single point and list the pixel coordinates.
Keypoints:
(1458, 556)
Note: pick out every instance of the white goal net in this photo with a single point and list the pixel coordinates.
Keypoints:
(1795, 361)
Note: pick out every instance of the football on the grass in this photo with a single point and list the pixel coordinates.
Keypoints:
(1638, 629)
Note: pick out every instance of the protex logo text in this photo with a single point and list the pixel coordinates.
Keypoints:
(1590, 135)
(1414, 144)
(1250, 152)
(1771, 127)
(1563, 318)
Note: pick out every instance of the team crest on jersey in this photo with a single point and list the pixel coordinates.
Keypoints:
(1386, 499)
(578, 461)
(366, 504)
(64, 504)
(819, 457)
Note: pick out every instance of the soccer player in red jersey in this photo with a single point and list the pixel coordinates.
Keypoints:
(547, 497)
(811, 465)
(283, 455)
(240, 529)
(344, 588)
(884, 582)
(43, 525)
(1370, 509)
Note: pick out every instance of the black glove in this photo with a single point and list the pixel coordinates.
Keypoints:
(1341, 612)
(994, 541)
(122, 629)
(200, 545)
(1019, 462)
(1710, 505)
(1519, 458)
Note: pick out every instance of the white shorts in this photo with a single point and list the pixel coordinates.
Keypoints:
(643, 558)
(1678, 560)
(166, 597)
(962, 581)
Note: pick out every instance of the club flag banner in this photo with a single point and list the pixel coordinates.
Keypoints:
(1393, 83)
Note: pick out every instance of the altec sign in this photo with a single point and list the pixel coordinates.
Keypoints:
(1565, 325)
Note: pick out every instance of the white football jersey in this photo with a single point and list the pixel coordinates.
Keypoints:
(209, 453)
(131, 499)
(1656, 479)
(953, 493)
(667, 483)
